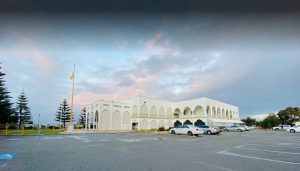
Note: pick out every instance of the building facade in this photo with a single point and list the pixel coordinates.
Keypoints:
(144, 113)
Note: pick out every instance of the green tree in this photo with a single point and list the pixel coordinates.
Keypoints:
(270, 121)
(22, 110)
(82, 117)
(63, 113)
(249, 121)
(6, 107)
(289, 115)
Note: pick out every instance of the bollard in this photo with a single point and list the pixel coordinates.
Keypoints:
(6, 131)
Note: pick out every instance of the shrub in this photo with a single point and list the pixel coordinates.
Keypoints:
(161, 128)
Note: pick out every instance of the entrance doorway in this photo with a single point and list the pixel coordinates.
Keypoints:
(135, 126)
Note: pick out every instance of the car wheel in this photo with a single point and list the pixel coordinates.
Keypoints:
(226, 130)
(208, 132)
(190, 133)
(292, 131)
(276, 129)
(173, 132)
(239, 130)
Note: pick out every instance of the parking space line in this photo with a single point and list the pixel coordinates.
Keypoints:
(277, 143)
(255, 149)
(267, 145)
(213, 166)
(256, 158)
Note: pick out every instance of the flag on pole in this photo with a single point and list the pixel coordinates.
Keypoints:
(72, 75)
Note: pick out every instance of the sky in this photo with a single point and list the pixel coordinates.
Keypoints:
(251, 60)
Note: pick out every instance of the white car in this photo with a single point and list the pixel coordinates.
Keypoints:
(187, 129)
(293, 129)
(281, 127)
(246, 128)
(235, 128)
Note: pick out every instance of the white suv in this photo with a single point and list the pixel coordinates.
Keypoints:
(187, 129)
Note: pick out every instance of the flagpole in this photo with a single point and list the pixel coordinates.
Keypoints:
(71, 114)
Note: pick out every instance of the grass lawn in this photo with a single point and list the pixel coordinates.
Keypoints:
(30, 132)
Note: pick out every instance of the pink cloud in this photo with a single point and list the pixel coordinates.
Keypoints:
(33, 55)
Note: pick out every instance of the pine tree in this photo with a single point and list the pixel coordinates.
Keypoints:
(22, 110)
(63, 113)
(82, 117)
(6, 109)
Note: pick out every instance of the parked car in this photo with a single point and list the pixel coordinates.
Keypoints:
(246, 127)
(209, 129)
(217, 128)
(187, 129)
(293, 129)
(234, 128)
(281, 127)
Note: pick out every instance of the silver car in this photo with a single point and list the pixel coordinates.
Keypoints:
(234, 128)
(209, 129)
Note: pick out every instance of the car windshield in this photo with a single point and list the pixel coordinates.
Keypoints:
(192, 126)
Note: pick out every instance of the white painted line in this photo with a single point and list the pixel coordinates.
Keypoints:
(52, 138)
(83, 139)
(256, 149)
(277, 143)
(273, 145)
(213, 167)
(257, 158)
(13, 139)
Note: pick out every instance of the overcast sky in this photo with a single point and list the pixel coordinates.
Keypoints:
(251, 60)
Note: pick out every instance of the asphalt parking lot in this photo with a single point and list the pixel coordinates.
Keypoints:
(232, 151)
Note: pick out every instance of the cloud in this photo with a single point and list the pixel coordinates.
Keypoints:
(26, 49)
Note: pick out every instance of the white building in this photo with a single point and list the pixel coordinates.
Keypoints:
(148, 113)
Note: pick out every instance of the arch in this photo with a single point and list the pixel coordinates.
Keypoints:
(219, 112)
(199, 111)
(96, 119)
(187, 122)
(170, 124)
(135, 111)
(208, 112)
(126, 118)
(143, 124)
(177, 123)
(144, 111)
(153, 112)
(199, 122)
(87, 120)
(161, 111)
(187, 111)
(223, 113)
(214, 112)
(116, 120)
(169, 112)
(104, 120)
(176, 113)
(153, 124)
(161, 124)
